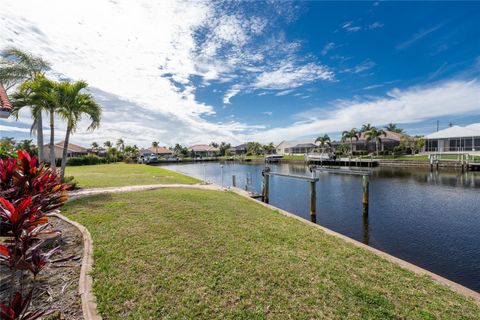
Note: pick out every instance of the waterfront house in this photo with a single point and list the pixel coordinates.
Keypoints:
(239, 150)
(454, 139)
(204, 150)
(73, 150)
(5, 105)
(296, 147)
(388, 142)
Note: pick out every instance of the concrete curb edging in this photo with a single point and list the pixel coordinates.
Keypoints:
(89, 304)
(402, 263)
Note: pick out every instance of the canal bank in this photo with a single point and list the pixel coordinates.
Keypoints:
(427, 218)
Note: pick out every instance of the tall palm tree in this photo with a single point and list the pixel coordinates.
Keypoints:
(375, 134)
(74, 104)
(17, 66)
(352, 134)
(366, 127)
(39, 94)
(324, 140)
(107, 144)
(155, 145)
(120, 144)
(393, 128)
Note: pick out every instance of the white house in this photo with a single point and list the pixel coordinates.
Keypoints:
(454, 139)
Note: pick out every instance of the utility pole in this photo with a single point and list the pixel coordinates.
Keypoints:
(438, 125)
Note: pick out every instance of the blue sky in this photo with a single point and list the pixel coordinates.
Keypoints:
(193, 72)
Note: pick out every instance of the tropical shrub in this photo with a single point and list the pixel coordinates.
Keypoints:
(90, 159)
(28, 191)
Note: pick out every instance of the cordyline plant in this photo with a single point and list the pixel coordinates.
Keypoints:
(28, 191)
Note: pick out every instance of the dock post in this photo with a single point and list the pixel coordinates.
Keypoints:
(265, 188)
(234, 181)
(313, 202)
(246, 182)
(437, 164)
(366, 188)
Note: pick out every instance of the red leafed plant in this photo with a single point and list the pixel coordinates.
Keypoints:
(28, 191)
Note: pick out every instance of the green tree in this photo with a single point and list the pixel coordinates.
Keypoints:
(350, 135)
(17, 66)
(254, 148)
(414, 144)
(375, 134)
(7, 144)
(94, 145)
(324, 140)
(39, 94)
(223, 147)
(107, 144)
(214, 144)
(73, 105)
(393, 128)
(120, 145)
(27, 145)
(366, 127)
(268, 148)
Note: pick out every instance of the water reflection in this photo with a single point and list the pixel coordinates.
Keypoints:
(431, 219)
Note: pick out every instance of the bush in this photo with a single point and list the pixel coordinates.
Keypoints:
(70, 183)
(90, 159)
(28, 191)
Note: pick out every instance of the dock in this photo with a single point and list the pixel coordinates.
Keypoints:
(343, 162)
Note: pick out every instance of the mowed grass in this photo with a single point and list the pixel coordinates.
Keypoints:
(197, 254)
(123, 174)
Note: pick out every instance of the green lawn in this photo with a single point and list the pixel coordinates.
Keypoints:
(196, 254)
(122, 174)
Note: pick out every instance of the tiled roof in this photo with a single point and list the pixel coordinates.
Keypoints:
(160, 150)
(203, 148)
(71, 147)
(5, 104)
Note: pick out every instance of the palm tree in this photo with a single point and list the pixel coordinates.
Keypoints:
(107, 144)
(120, 144)
(375, 134)
(17, 66)
(324, 140)
(94, 145)
(393, 128)
(366, 127)
(73, 105)
(155, 145)
(352, 134)
(39, 94)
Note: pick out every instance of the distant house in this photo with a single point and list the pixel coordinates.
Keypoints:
(157, 151)
(204, 150)
(388, 142)
(99, 151)
(239, 150)
(454, 139)
(73, 150)
(296, 147)
(5, 105)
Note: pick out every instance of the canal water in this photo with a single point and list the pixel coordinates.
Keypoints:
(429, 219)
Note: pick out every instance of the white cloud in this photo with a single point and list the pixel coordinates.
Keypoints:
(350, 27)
(402, 106)
(289, 76)
(375, 25)
(364, 66)
(417, 36)
(284, 92)
(328, 47)
(234, 90)
(267, 113)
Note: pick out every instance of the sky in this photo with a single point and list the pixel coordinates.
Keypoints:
(199, 71)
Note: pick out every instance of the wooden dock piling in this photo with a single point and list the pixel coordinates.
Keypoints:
(365, 196)
(265, 188)
(313, 201)
(234, 181)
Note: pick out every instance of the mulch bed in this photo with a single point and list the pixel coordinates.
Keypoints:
(57, 285)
